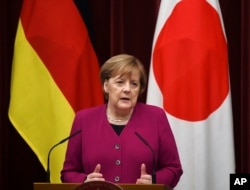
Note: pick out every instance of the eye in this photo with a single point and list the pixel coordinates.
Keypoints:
(119, 82)
(134, 84)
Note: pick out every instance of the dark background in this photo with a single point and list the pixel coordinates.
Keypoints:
(117, 26)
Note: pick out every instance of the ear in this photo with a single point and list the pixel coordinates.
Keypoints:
(105, 86)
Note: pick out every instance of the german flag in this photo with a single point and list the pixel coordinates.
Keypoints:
(55, 73)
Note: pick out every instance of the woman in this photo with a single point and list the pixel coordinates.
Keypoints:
(122, 141)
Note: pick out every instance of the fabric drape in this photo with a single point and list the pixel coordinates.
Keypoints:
(189, 78)
(55, 73)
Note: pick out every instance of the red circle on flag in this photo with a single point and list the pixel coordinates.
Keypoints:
(190, 61)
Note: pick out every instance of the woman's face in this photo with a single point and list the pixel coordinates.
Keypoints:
(123, 91)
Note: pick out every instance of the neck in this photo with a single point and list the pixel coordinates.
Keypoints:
(118, 118)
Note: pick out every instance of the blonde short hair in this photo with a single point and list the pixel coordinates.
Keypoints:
(123, 64)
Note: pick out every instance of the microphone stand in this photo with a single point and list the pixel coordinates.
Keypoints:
(48, 158)
(154, 163)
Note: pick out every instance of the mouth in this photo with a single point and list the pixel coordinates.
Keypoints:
(124, 98)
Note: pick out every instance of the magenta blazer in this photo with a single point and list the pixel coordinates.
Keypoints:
(121, 156)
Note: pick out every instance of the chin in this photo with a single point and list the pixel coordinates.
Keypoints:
(127, 107)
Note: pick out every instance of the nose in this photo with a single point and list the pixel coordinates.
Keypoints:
(127, 87)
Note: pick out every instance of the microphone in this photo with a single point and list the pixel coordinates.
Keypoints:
(62, 141)
(154, 163)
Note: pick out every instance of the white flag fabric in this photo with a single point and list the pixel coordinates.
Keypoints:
(189, 78)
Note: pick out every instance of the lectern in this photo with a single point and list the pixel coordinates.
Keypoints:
(107, 186)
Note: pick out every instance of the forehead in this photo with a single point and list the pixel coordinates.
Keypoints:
(134, 74)
(123, 69)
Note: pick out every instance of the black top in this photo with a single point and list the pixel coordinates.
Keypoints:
(118, 128)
